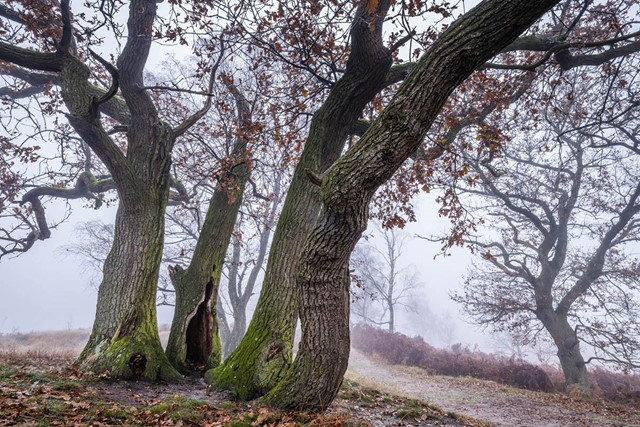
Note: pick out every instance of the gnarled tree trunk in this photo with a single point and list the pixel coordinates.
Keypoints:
(313, 380)
(266, 349)
(564, 336)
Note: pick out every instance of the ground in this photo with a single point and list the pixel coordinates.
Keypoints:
(496, 403)
(40, 387)
(46, 390)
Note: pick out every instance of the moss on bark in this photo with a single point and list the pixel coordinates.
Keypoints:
(349, 185)
(199, 283)
(264, 353)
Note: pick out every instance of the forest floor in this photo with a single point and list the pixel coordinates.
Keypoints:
(40, 387)
(496, 403)
(44, 389)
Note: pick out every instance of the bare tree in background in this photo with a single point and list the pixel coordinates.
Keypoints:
(92, 240)
(385, 286)
(561, 222)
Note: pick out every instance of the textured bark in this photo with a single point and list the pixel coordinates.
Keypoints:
(197, 286)
(124, 339)
(266, 349)
(313, 380)
(191, 284)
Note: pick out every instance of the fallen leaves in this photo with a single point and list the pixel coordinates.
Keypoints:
(42, 391)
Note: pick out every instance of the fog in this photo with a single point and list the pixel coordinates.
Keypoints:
(48, 289)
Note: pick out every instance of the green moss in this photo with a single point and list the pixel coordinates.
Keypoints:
(227, 404)
(216, 352)
(412, 410)
(36, 376)
(256, 365)
(117, 413)
(115, 358)
(67, 385)
(180, 408)
(7, 370)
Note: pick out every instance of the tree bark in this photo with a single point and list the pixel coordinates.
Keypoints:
(197, 286)
(194, 341)
(124, 340)
(266, 349)
(313, 380)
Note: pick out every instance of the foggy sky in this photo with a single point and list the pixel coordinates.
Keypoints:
(45, 289)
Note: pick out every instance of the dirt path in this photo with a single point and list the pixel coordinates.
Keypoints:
(486, 400)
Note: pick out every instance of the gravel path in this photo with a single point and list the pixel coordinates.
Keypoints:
(496, 403)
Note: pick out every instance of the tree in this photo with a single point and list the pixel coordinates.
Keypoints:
(564, 218)
(381, 279)
(194, 338)
(93, 239)
(348, 186)
(265, 352)
(537, 173)
(124, 339)
(260, 114)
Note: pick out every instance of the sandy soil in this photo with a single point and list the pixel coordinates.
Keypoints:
(498, 404)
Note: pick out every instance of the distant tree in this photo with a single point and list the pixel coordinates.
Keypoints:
(560, 222)
(92, 241)
(385, 285)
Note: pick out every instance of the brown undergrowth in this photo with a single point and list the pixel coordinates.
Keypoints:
(400, 349)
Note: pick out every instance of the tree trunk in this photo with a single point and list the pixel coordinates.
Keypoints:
(324, 313)
(124, 340)
(573, 366)
(266, 349)
(314, 378)
(194, 341)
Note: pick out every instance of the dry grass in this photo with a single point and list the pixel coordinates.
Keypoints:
(68, 343)
(57, 343)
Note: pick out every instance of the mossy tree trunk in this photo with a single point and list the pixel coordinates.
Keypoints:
(124, 339)
(314, 378)
(194, 341)
(265, 352)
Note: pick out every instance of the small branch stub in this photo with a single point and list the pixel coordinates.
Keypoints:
(316, 179)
